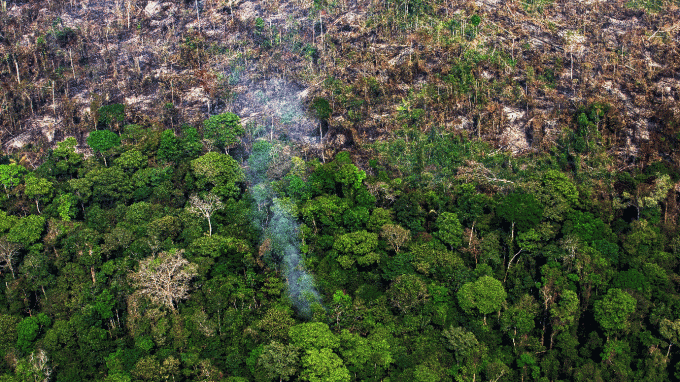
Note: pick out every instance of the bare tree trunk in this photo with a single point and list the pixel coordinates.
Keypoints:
(16, 65)
(510, 264)
(198, 16)
(552, 337)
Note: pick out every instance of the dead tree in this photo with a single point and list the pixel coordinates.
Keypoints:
(205, 206)
(8, 254)
(165, 278)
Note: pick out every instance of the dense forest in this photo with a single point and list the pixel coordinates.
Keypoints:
(155, 259)
(320, 190)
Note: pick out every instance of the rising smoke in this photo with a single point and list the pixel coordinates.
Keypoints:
(272, 111)
(274, 108)
(280, 231)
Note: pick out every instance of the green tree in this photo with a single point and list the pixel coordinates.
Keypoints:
(8, 333)
(429, 259)
(379, 217)
(101, 141)
(613, 311)
(518, 320)
(470, 203)
(7, 221)
(35, 269)
(279, 361)
(191, 142)
(357, 246)
(109, 185)
(66, 206)
(131, 160)
(37, 188)
(557, 194)
(224, 130)
(520, 210)
(27, 230)
(671, 331)
(350, 178)
(565, 313)
(461, 341)
(367, 358)
(313, 335)
(29, 329)
(355, 218)
(450, 231)
(10, 175)
(111, 115)
(324, 214)
(486, 295)
(323, 365)
(642, 240)
(82, 190)
(529, 366)
(66, 159)
(321, 108)
(409, 214)
(407, 292)
(276, 323)
(219, 172)
(170, 148)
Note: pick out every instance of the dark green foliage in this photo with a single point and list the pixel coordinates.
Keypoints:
(471, 204)
(449, 229)
(422, 274)
(587, 227)
(631, 280)
(191, 142)
(609, 250)
(325, 214)
(29, 329)
(224, 130)
(613, 311)
(10, 175)
(27, 231)
(460, 77)
(355, 218)
(106, 185)
(321, 108)
(170, 148)
(111, 116)
(407, 292)
(587, 133)
(486, 295)
(520, 210)
(103, 140)
(296, 187)
(398, 265)
(219, 173)
(65, 159)
(409, 213)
